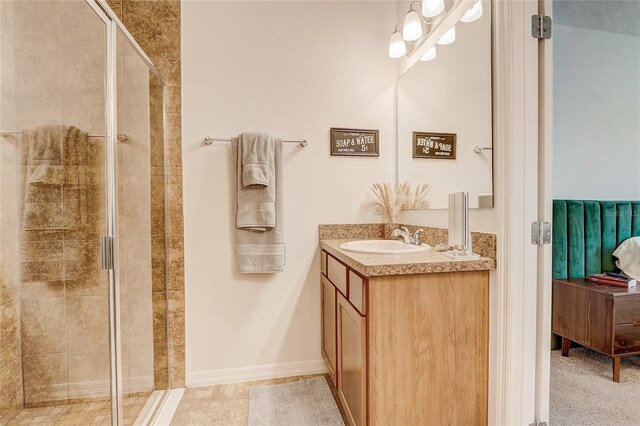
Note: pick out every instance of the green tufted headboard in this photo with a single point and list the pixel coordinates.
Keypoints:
(586, 233)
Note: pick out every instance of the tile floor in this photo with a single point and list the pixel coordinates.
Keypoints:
(80, 413)
(221, 405)
(227, 405)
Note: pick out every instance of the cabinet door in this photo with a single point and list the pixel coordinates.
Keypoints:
(329, 328)
(352, 362)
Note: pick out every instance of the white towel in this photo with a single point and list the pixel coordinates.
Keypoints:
(42, 150)
(256, 204)
(259, 219)
(257, 156)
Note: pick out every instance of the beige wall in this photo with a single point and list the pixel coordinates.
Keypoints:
(293, 69)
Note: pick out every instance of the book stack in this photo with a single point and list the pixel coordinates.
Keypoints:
(611, 278)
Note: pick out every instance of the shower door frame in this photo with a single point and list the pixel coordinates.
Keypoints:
(113, 25)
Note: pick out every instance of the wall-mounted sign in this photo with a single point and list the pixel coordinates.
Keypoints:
(434, 145)
(356, 142)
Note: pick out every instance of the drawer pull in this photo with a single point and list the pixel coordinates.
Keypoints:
(636, 323)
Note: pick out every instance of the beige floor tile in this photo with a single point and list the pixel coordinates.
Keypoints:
(81, 413)
(192, 417)
(222, 405)
(229, 412)
(205, 392)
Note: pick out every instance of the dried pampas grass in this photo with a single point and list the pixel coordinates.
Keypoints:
(394, 198)
(418, 198)
(391, 198)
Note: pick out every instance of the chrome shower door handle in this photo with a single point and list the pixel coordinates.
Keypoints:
(106, 253)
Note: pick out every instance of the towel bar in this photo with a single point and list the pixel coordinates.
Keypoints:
(121, 136)
(477, 149)
(209, 140)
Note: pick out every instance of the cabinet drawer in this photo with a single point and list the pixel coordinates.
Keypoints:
(337, 273)
(627, 309)
(357, 292)
(627, 338)
(323, 262)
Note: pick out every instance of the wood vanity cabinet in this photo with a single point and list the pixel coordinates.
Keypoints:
(407, 349)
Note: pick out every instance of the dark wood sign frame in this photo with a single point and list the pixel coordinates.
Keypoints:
(340, 135)
(447, 138)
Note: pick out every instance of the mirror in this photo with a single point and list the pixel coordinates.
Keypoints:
(444, 112)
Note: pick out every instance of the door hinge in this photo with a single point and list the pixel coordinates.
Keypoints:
(540, 233)
(541, 27)
(106, 253)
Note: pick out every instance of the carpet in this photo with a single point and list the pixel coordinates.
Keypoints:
(583, 392)
(301, 403)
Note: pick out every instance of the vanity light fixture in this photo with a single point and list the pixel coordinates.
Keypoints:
(412, 27)
(431, 8)
(397, 48)
(429, 55)
(448, 37)
(474, 13)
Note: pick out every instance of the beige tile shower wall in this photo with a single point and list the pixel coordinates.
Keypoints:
(11, 393)
(156, 27)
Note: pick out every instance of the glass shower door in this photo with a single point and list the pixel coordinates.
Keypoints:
(54, 304)
(140, 230)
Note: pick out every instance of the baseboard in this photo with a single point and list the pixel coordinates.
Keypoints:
(259, 372)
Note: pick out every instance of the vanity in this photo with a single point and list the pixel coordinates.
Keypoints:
(405, 336)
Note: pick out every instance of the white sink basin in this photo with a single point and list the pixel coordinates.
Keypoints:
(383, 247)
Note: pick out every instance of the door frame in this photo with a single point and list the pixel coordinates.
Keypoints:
(515, 365)
(545, 213)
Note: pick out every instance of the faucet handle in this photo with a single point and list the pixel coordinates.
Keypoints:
(416, 236)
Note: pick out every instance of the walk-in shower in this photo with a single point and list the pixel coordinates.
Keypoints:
(83, 327)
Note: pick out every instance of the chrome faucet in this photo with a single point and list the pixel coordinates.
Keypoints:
(407, 237)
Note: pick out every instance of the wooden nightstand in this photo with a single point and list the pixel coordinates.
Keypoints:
(603, 318)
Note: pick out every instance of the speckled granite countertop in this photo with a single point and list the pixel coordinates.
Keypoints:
(375, 265)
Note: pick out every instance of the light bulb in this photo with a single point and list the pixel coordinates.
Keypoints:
(429, 54)
(448, 37)
(412, 28)
(474, 13)
(397, 47)
(431, 8)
